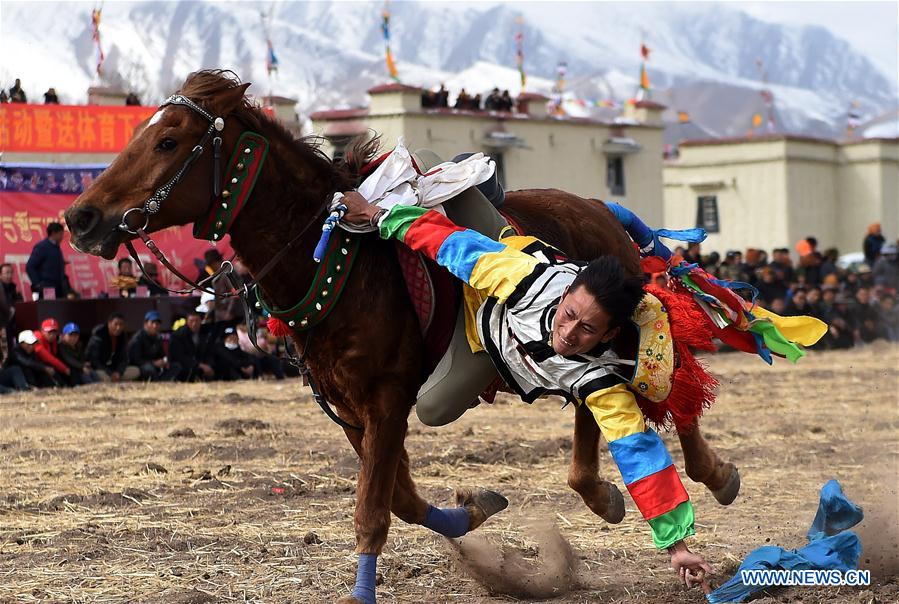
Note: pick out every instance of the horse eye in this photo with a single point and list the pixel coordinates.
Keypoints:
(166, 144)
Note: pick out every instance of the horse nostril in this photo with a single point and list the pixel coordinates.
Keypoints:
(84, 220)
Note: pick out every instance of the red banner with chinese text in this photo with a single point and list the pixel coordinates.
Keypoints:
(24, 218)
(68, 128)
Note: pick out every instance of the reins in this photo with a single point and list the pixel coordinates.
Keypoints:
(238, 289)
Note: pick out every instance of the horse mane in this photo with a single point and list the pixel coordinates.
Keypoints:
(344, 173)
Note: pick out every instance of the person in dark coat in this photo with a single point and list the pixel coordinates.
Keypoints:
(36, 373)
(191, 348)
(150, 280)
(50, 97)
(145, 350)
(46, 266)
(71, 352)
(841, 327)
(17, 94)
(12, 379)
(770, 286)
(885, 271)
(872, 243)
(9, 286)
(106, 351)
(232, 363)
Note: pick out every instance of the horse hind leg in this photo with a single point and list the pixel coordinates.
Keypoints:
(703, 465)
(602, 497)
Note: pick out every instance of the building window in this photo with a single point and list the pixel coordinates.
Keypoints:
(615, 175)
(707, 214)
(500, 168)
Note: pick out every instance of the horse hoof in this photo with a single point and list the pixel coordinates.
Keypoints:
(349, 600)
(615, 512)
(481, 505)
(726, 494)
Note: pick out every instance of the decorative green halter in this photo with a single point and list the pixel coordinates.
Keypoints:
(243, 171)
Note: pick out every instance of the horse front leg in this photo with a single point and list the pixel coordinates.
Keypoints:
(703, 465)
(601, 496)
(379, 448)
(384, 485)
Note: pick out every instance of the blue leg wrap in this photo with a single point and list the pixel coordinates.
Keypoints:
(364, 591)
(449, 522)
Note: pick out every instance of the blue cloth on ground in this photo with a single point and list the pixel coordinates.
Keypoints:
(449, 522)
(366, 576)
(831, 546)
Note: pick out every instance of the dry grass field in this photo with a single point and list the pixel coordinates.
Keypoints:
(234, 492)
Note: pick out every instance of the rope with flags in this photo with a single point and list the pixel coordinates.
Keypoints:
(96, 14)
(519, 50)
(385, 28)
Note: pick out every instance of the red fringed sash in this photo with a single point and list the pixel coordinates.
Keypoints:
(692, 388)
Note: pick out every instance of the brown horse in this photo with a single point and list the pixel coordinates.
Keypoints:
(367, 355)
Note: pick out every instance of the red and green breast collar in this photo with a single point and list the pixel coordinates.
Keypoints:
(327, 285)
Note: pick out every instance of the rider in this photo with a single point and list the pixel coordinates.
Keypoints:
(550, 327)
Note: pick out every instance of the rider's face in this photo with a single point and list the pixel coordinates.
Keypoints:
(580, 323)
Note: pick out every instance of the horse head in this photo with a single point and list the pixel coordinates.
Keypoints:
(166, 175)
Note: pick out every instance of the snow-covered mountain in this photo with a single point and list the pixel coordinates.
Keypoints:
(704, 56)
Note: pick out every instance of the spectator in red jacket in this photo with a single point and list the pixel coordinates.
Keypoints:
(46, 349)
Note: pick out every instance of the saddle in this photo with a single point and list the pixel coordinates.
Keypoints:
(456, 376)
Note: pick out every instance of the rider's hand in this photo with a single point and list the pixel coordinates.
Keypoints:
(691, 568)
(359, 211)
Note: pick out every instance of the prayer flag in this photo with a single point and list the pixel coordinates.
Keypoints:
(644, 77)
(519, 51)
(271, 60)
(95, 24)
(385, 29)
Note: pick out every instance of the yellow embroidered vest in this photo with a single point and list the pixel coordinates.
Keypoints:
(655, 354)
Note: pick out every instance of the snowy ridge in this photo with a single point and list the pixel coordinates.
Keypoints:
(703, 56)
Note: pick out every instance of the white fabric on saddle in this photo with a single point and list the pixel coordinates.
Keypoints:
(396, 182)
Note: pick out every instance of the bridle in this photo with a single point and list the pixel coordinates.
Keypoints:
(153, 205)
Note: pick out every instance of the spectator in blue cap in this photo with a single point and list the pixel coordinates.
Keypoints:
(71, 352)
(145, 350)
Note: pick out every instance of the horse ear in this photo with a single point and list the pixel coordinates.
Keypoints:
(227, 101)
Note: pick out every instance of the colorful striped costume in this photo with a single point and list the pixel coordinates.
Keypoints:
(523, 288)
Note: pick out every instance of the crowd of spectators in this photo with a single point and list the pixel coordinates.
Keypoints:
(16, 94)
(197, 348)
(495, 101)
(858, 302)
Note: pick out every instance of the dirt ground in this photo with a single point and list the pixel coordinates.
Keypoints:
(245, 492)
